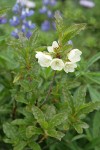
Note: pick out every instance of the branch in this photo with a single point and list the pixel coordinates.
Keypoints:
(49, 91)
(14, 110)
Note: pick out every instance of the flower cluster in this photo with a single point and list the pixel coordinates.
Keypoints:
(46, 9)
(45, 59)
(3, 19)
(87, 3)
(22, 11)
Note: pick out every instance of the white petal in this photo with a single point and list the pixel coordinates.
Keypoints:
(57, 64)
(74, 55)
(50, 49)
(70, 67)
(55, 44)
(30, 4)
(43, 59)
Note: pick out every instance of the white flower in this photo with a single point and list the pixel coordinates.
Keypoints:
(57, 64)
(30, 4)
(54, 46)
(87, 3)
(69, 67)
(74, 55)
(43, 59)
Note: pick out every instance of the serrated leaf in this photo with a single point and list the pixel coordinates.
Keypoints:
(70, 32)
(79, 126)
(10, 131)
(57, 119)
(79, 96)
(32, 130)
(34, 146)
(39, 116)
(20, 145)
(19, 122)
(88, 107)
(94, 94)
(50, 111)
(56, 134)
(92, 60)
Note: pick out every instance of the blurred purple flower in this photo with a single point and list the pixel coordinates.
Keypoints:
(15, 33)
(49, 14)
(43, 10)
(47, 10)
(28, 34)
(3, 20)
(45, 26)
(15, 21)
(30, 25)
(87, 3)
(23, 12)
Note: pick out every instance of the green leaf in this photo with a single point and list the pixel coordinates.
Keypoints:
(79, 96)
(88, 107)
(10, 131)
(50, 111)
(71, 32)
(19, 122)
(34, 146)
(92, 60)
(56, 134)
(77, 137)
(94, 94)
(32, 130)
(79, 126)
(59, 22)
(96, 124)
(20, 145)
(33, 39)
(39, 116)
(57, 119)
(94, 77)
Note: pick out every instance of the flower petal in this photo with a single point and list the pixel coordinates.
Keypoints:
(70, 67)
(55, 44)
(43, 59)
(74, 55)
(57, 64)
(50, 49)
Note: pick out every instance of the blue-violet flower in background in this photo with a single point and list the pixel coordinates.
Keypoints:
(20, 19)
(46, 10)
(3, 19)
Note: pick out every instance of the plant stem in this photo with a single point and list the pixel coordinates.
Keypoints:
(50, 90)
(14, 110)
